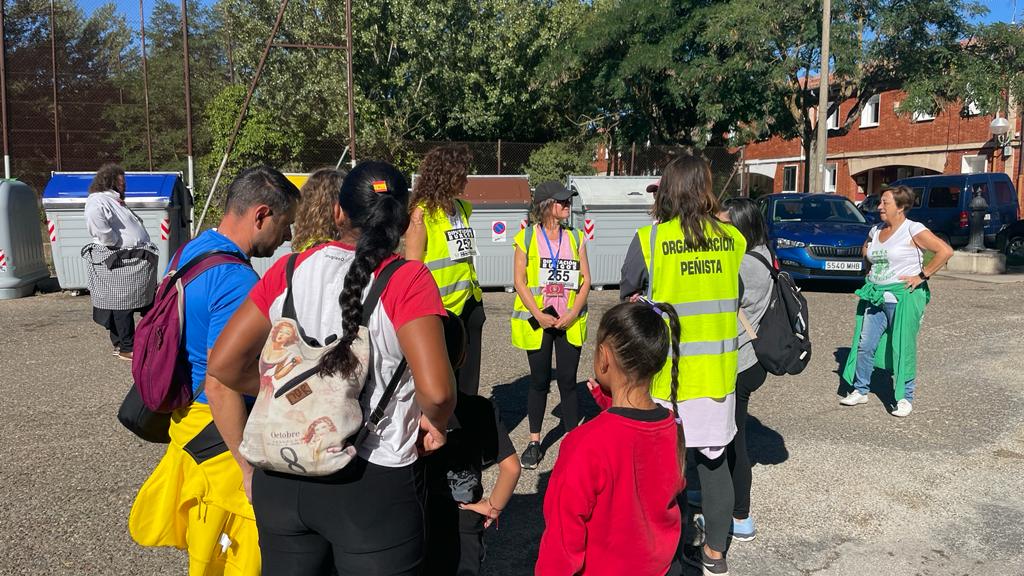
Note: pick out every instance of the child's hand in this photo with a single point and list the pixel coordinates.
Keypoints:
(430, 438)
(603, 400)
(484, 509)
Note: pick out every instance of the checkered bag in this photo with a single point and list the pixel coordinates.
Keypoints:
(121, 279)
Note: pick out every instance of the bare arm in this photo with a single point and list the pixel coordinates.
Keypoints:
(491, 507)
(926, 240)
(422, 342)
(416, 236)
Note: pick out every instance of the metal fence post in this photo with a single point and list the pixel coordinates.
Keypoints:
(53, 81)
(499, 156)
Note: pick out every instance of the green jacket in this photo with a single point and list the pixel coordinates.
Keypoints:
(897, 349)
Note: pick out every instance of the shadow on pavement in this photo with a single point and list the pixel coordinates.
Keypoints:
(764, 445)
(511, 401)
(512, 549)
(881, 381)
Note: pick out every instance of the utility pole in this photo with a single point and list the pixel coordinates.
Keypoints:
(3, 92)
(53, 81)
(821, 141)
(348, 81)
(188, 101)
(145, 85)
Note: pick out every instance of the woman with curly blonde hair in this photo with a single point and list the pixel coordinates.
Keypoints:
(314, 220)
(440, 236)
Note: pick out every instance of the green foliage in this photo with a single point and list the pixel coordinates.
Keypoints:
(557, 160)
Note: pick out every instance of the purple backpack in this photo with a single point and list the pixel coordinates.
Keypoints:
(160, 365)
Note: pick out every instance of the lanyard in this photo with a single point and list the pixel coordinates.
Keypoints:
(552, 254)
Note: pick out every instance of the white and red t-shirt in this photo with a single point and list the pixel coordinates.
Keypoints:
(410, 294)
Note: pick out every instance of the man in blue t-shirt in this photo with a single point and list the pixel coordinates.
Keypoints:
(259, 211)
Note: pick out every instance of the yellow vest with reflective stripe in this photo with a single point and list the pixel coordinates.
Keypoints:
(524, 336)
(703, 286)
(456, 279)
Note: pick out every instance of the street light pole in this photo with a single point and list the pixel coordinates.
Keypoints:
(821, 140)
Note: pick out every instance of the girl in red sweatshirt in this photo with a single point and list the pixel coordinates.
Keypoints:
(611, 506)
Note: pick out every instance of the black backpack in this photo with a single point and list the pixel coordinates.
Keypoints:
(783, 343)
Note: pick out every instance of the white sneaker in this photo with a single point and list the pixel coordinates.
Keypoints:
(903, 408)
(854, 398)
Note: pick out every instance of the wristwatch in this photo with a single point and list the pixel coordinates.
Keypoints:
(922, 275)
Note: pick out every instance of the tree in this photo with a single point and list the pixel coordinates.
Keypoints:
(556, 160)
(690, 71)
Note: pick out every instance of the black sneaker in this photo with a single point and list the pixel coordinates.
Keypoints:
(531, 456)
(695, 556)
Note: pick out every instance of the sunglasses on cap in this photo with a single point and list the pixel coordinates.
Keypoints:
(567, 202)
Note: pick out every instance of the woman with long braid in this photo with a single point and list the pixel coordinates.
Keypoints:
(367, 518)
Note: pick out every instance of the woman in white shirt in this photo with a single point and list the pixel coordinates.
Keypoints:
(121, 258)
(892, 300)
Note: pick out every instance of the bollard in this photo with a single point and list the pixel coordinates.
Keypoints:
(978, 208)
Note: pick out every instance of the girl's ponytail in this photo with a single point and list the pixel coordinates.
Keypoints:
(374, 197)
(675, 330)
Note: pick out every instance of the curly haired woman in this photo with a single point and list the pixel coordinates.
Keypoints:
(440, 236)
(314, 221)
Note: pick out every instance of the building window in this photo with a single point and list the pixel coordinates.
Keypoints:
(830, 177)
(869, 114)
(973, 164)
(789, 179)
(923, 116)
(833, 119)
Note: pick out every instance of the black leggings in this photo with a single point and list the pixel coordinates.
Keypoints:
(567, 358)
(369, 518)
(739, 462)
(473, 318)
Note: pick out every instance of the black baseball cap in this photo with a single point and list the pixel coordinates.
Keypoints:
(551, 190)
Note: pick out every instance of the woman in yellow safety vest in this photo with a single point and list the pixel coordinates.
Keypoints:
(691, 260)
(552, 281)
(440, 236)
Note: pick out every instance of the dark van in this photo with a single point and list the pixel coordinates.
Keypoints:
(942, 203)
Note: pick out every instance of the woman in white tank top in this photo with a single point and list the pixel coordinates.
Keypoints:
(892, 300)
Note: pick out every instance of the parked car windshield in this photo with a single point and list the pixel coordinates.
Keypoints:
(816, 209)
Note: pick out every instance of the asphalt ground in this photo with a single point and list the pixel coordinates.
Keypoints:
(836, 491)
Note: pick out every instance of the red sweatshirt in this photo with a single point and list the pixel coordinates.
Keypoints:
(610, 506)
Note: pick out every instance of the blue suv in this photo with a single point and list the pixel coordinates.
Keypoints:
(942, 203)
(816, 236)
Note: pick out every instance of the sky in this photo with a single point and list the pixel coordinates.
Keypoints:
(1002, 11)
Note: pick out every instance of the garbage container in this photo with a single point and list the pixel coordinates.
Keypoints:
(609, 211)
(159, 198)
(261, 265)
(22, 264)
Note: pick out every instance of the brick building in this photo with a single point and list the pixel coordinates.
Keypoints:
(881, 147)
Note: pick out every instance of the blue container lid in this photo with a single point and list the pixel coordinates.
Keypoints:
(139, 186)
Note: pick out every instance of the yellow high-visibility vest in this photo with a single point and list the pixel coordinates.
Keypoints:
(703, 287)
(456, 279)
(524, 336)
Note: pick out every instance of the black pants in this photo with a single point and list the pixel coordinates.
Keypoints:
(455, 539)
(739, 462)
(120, 324)
(567, 357)
(716, 499)
(369, 518)
(473, 318)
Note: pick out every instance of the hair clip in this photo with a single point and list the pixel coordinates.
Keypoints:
(380, 186)
(654, 305)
